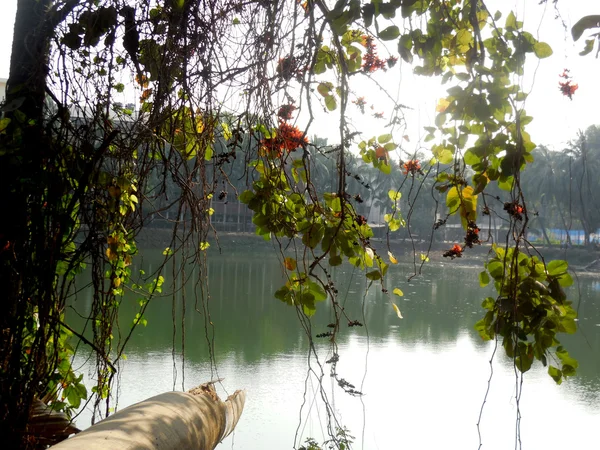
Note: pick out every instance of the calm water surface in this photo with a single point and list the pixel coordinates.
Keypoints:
(424, 377)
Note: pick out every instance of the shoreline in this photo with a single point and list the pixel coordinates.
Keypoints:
(579, 258)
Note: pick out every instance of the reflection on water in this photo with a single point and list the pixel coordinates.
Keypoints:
(424, 376)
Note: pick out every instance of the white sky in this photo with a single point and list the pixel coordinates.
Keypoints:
(557, 118)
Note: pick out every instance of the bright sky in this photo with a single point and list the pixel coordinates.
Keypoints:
(557, 118)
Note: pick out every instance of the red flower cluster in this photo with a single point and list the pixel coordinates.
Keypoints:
(413, 166)
(472, 236)
(567, 87)
(285, 112)
(288, 138)
(514, 209)
(360, 220)
(287, 67)
(372, 62)
(360, 102)
(455, 252)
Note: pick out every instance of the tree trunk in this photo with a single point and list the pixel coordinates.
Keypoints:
(196, 419)
(544, 232)
(31, 235)
(21, 183)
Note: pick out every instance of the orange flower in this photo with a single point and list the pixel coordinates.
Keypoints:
(413, 166)
(360, 102)
(566, 87)
(372, 62)
(285, 111)
(455, 252)
(287, 138)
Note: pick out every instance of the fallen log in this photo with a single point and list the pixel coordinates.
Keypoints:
(196, 419)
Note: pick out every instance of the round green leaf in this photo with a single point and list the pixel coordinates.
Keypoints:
(542, 50)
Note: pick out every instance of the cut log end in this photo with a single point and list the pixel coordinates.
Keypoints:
(195, 419)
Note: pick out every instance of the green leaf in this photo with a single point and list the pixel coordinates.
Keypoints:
(565, 280)
(484, 278)
(246, 196)
(496, 269)
(208, 153)
(583, 24)
(511, 21)
(374, 275)
(566, 359)
(542, 50)
(555, 373)
(384, 138)
(445, 156)
(464, 37)
(489, 303)
(404, 46)
(568, 326)
(330, 102)
(324, 89)
(557, 267)
(389, 33)
(471, 158)
(385, 167)
(524, 357)
(316, 290)
(452, 199)
(281, 293)
(335, 260)
(440, 120)
(589, 46)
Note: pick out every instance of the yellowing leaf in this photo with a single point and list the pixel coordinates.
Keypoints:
(424, 257)
(199, 125)
(398, 292)
(398, 313)
(226, 131)
(393, 260)
(290, 263)
(394, 195)
(442, 105)
(204, 245)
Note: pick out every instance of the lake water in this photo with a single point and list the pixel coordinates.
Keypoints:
(424, 377)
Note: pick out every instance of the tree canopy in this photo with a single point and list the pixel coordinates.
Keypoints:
(219, 82)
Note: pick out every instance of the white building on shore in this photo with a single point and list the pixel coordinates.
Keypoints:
(3, 89)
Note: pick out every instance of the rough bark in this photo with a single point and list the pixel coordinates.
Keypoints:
(196, 419)
(30, 232)
(23, 146)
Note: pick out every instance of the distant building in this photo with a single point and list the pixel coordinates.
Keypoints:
(3, 88)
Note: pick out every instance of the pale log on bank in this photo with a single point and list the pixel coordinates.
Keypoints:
(196, 419)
